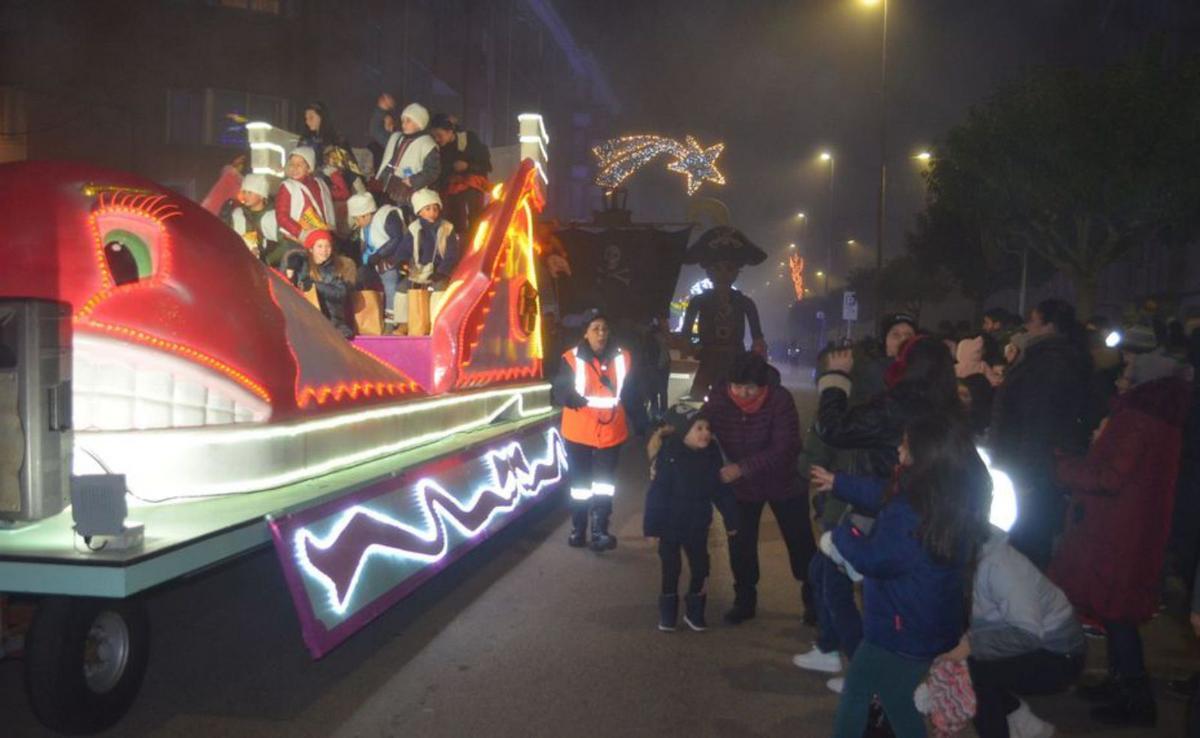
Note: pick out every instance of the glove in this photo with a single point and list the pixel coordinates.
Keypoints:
(306, 284)
(574, 400)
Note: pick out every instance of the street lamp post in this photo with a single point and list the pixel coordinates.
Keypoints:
(828, 159)
(881, 212)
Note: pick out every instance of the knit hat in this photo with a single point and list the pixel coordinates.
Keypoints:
(891, 319)
(255, 183)
(421, 199)
(1154, 365)
(682, 417)
(418, 114)
(361, 204)
(311, 239)
(307, 154)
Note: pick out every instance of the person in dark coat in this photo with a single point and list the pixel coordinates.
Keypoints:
(463, 181)
(331, 274)
(317, 131)
(758, 428)
(1040, 408)
(686, 485)
(917, 563)
(1110, 559)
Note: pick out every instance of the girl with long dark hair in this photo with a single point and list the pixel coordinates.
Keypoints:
(917, 562)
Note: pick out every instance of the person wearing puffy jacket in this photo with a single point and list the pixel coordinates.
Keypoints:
(916, 563)
(686, 485)
(1025, 639)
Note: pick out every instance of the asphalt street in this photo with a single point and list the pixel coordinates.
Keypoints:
(525, 638)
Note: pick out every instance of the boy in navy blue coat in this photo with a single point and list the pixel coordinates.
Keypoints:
(686, 484)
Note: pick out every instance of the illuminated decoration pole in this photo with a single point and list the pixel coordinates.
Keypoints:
(796, 262)
(619, 158)
(882, 209)
(828, 159)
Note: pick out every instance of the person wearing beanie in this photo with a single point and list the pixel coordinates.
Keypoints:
(756, 423)
(411, 160)
(1110, 558)
(380, 234)
(431, 251)
(245, 214)
(601, 403)
(686, 486)
(330, 275)
(466, 163)
(304, 203)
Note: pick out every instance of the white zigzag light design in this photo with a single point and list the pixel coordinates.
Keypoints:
(519, 482)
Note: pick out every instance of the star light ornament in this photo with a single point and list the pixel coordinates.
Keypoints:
(621, 157)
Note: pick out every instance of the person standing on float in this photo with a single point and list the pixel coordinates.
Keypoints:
(595, 388)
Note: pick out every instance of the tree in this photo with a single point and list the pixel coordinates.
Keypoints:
(1079, 167)
(905, 285)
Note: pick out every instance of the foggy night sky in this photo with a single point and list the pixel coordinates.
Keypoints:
(779, 81)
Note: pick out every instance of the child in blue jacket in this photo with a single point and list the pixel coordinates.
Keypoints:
(686, 484)
(917, 563)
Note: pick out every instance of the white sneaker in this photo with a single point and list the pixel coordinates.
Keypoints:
(1022, 723)
(836, 685)
(818, 660)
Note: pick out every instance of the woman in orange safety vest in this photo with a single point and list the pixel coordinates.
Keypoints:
(595, 387)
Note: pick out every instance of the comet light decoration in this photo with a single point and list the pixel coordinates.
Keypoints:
(796, 263)
(619, 158)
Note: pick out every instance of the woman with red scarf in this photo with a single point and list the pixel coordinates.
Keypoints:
(756, 423)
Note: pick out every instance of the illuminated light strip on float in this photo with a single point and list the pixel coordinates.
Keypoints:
(438, 507)
(175, 440)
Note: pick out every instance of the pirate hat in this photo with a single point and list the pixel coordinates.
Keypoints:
(724, 243)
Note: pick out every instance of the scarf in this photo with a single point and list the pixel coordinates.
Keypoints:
(752, 405)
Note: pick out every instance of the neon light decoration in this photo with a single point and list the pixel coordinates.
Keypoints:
(350, 559)
(796, 265)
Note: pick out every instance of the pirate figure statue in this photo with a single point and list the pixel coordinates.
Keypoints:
(722, 310)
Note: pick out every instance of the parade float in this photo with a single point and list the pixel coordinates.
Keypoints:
(168, 403)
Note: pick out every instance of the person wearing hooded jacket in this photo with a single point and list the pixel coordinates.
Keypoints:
(756, 423)
(1025, 639)
(410, 161)
(594, 386)
(685, 487)
(1110, 559)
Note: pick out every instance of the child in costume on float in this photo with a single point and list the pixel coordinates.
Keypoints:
(303, 204)
(686, 485)
(431, 251)
(252, 216)
(380, 232)
(722, 311)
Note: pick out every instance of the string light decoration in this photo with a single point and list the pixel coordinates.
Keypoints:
(619, 158)
(796, 262)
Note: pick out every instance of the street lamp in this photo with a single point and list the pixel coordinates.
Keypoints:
(924, 157)
(792, 246)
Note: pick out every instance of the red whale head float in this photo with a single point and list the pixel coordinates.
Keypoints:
(175, 322)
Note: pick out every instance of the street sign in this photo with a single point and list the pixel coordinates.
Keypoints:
(849, 306)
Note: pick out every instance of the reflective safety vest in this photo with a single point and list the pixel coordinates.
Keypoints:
(602, 423)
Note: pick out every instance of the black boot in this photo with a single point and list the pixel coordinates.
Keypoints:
(668, 612)
(744, 604)
(1134, 705)
(601, 540)
(694, 615)
(579, 522)
(1104, 691)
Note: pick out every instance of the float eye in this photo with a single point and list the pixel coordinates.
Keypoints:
(128, 257)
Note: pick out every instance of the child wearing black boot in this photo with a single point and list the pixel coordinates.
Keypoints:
(686, 484)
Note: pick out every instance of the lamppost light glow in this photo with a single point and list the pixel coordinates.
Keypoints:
(820, 274)
(826, 156)
(923, 156)
(791, 245)
(800, 216)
